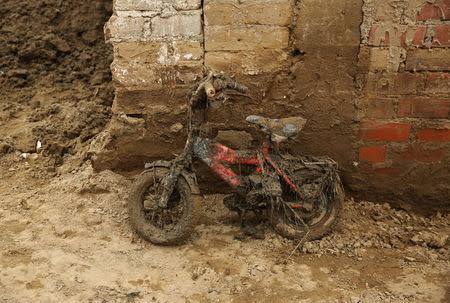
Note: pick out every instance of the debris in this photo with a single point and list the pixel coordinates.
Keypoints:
(175, 128)
(38, 146)
(5, 148)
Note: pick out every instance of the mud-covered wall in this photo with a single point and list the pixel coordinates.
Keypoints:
(404, 126)
(321, 59)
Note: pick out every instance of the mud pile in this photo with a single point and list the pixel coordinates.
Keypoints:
(366, 225)
(55, 82)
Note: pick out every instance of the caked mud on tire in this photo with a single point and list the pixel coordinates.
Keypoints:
(320, 223)
(162, 226)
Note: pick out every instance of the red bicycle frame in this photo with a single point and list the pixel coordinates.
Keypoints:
(218, 157)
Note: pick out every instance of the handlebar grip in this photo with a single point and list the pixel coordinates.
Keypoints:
(238, 87)
(209, 89)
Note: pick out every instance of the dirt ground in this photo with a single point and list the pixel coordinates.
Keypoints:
(67, 238)
(64, 230)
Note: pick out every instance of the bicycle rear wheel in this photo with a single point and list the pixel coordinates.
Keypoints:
(292, 220)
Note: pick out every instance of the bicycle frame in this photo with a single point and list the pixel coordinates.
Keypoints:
(218, 156)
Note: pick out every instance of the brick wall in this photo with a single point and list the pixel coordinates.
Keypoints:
(404, 132)
(371, 76)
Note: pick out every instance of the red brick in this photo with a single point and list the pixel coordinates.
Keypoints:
(423, 108)
(433, 135)
(406, 156)
(441, 36)
(417, 40)
(373, 154)
(427, 156)
(384, 41)
(429, 12)
(438, 83)
(424, 59)
(373, 131)
(366, 168)
(395, 83)
(380, 35)
(439, 10)
(388, 171)
(406, 83)
(380, 108)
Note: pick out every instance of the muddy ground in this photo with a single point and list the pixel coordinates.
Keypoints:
(67, 238)
(64, 230)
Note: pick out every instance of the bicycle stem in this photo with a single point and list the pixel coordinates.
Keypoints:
(207, 88)
(185, 159)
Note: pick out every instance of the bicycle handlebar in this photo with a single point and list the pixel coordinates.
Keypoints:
(238, 87)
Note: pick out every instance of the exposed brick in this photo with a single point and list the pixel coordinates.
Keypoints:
(380, 108)
(405, 156)
(432, 60)
(373, 154)
(225, 38)
(373, 131)
(406, 83)
(233, 39)
(366, 168)
(378, 37)
(120, 29)
(425, 155)
(441, 36)
(378, 59)
(248, 62)
(394, 83)
(154, 64)
(439, 10)
(416, 38)
(186, 4)
(187, 25)
(268, 13)
(433, 135)
(150, 101)
(401, 35)
(218, 14)
(277, 37)
(418, 153)
(187, 50)
(438, 83)
(138, 5)
(424, 108)
(389, 171)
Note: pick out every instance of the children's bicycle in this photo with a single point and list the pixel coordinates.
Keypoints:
(301, 195)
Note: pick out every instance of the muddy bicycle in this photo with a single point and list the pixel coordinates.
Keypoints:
(301, 195)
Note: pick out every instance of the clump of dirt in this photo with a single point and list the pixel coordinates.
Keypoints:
(366, 225)
(55, 82)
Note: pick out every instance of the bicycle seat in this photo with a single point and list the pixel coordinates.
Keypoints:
(279, 129)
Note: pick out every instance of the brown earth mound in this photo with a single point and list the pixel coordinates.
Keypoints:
(54, 75)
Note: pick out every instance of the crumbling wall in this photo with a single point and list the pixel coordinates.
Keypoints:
(404, 128)
(357, 71)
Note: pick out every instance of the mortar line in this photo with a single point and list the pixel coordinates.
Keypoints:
(203, 31)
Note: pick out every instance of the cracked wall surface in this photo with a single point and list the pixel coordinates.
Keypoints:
(404, 126)
(370, 76)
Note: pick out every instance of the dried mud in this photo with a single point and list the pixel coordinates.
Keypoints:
(68, 239)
